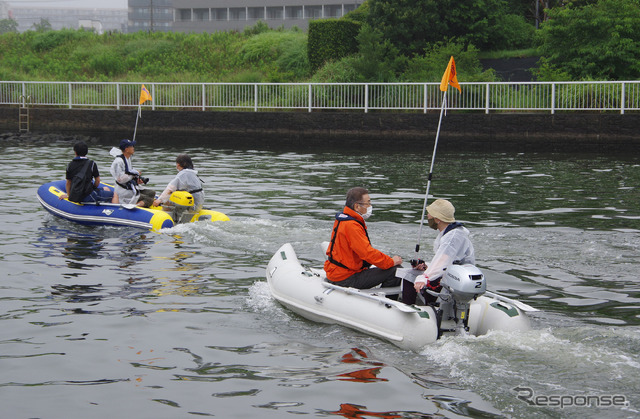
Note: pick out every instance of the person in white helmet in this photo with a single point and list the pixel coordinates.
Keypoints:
(451, 245)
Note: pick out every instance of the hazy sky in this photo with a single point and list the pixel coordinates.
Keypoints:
(103, 4)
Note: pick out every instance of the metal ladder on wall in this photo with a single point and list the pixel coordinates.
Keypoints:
(23, 114)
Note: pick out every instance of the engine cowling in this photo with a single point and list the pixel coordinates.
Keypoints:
(464, 282)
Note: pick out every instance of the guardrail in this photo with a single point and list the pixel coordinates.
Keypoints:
(617, 96)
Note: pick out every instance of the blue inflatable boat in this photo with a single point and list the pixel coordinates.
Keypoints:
(154, 218)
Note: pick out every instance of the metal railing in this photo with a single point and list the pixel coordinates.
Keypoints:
(618, 96)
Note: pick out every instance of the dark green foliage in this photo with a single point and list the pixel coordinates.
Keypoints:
(331, 39)
(8, 25)
(361, 14)
(106, 62)
(283, 54)
(597, 41)
(48, 40)
(42, 26)
(246, 76)
(256, 29)
(341, 71)
(512, 32)
(431, 66)
(577, 3)
(378, 59)
(293, 62)
(413, 25)
(520, 7)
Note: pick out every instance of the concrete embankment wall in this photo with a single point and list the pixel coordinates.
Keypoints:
(565, 132)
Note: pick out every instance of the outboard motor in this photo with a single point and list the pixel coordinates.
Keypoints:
(181, 206)
(460, 285)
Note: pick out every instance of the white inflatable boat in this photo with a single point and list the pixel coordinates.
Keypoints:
(464, 305)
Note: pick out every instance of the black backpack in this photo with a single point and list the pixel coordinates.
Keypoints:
(82, 183)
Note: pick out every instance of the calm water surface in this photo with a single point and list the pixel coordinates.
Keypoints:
(102, 321)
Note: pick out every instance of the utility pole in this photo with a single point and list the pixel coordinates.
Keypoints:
(151, 16)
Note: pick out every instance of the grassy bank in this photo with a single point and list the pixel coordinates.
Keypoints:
(81, 55)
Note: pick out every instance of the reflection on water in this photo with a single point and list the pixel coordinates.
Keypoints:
(363, 375)
(77, 293)
(103, 321)
(348, 410)
(80, 248)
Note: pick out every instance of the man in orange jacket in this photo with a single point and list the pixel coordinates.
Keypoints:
(350, 253)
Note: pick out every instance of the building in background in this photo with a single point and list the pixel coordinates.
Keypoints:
(225, 15)
(101, 20)
(4, 10)
(181, 15)
(150, 15)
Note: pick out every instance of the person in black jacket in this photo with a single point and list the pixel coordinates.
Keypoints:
(83, 178)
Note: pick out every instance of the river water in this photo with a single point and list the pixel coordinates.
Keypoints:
(104, 321)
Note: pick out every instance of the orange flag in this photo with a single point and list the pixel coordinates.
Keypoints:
(450, 77)
(144, 95)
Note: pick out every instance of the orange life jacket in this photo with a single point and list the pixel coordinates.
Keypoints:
(350, 250)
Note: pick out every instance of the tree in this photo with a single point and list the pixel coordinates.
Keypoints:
(43, 26)
(377, 59)
(598, 41)
(8, 25)
(413, 25)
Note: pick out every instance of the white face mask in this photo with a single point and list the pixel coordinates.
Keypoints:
(368, 213)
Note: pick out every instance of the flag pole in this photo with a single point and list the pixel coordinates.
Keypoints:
(136, 127)
(433, 159)
(144, 96)
(449, 77)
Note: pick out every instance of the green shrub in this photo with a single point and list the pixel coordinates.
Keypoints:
(264, 46)
(512, 32)
(547, 72)
(107, 62)
(256, 29)
(282, 52)
(294, 59)
(340, 71)
(145, 50)
(47, 41)
(331, 39)
(431, 66)
(246, 76)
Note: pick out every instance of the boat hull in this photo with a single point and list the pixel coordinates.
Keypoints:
(110, 214)
(307, 293)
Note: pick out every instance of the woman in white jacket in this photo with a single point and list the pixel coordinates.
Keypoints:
(452, 245)
(187, 179)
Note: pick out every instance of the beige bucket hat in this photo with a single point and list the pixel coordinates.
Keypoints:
(442, 210)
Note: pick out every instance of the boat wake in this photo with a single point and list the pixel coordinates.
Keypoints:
(567, 364)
